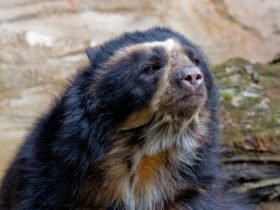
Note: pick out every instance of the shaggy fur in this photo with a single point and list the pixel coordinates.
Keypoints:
(126, 134)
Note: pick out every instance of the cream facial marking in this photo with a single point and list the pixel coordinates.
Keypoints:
(169, 45)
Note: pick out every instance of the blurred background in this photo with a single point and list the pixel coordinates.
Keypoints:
(43, 42)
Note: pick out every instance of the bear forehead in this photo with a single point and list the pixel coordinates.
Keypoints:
(169, 45)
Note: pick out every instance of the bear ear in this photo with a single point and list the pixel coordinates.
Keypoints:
(91, 53)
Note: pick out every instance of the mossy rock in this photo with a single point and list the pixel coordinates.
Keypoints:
(250, 119)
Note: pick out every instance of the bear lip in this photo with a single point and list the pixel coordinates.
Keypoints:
(195, 94)
(192, 95)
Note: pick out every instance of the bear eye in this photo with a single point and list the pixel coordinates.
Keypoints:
(151, 69)
(196, 61)
(193, 57)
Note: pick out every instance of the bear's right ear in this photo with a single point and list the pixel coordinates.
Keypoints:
(91, 53)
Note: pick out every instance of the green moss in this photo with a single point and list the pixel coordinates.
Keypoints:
(248, 102)
(227, 94)
(244, 115)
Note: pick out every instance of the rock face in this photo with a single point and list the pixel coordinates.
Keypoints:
(43, 42)
(223, 28)
(251, 127)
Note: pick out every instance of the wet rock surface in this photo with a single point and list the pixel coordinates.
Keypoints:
(43, 42)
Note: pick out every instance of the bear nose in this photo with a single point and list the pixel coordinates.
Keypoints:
(191, 76)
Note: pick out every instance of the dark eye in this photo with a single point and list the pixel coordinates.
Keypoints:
(193, 57)
(151, 69)
(196, 61)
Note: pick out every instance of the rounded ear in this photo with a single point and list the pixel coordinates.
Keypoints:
(91, 53)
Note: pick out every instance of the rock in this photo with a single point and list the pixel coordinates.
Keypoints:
(223, 28)
(263, 105)
(34, 38)
(276, 59)
(251, 134)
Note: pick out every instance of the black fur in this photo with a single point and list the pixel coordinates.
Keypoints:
(59, 153)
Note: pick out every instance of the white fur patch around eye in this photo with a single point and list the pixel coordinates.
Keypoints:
(169, 45)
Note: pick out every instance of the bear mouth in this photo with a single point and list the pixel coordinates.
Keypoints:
(190, 98)
(183, 106)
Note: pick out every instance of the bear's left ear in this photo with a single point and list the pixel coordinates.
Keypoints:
(91, 53)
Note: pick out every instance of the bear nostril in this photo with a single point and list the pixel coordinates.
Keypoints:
(198, 76)
(189, 78)
(193, 78)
